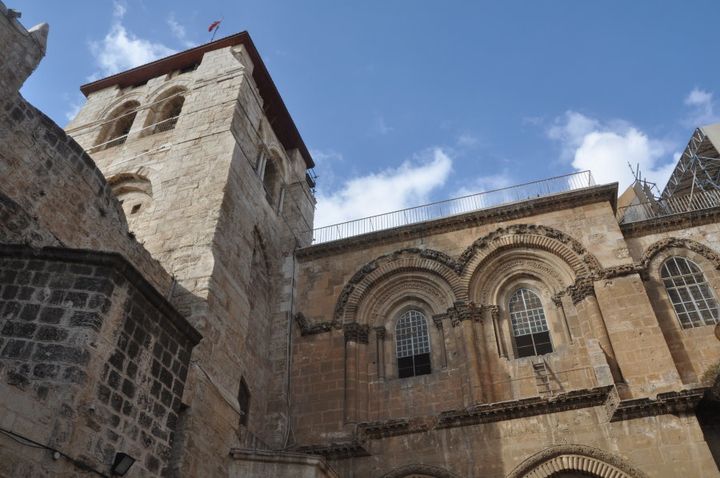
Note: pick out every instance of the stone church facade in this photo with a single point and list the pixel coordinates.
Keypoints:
(162, 297)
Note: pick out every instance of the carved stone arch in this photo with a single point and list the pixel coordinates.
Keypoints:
(403, 286)
(164, 107)
(509, 264)
(429, 471)
(582, 262)
(133, 96)
(177, 83)
(579, 458)
(433, 262)
(676, 242)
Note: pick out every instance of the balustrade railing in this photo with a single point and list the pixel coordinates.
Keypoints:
(452, 207)
(668, 206)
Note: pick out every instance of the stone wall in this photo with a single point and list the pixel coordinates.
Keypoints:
(93, 362)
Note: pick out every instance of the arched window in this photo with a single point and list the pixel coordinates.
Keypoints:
(244, 402)
(412, 344)
(529, 326)
(133, 191)
(272, 181)
(118, 125)
(689, 292)
(164, 115)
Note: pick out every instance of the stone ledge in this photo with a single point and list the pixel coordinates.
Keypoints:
(116, 262)
(671, 223)
(531, 207)
(283, 458)
(495, 412)
(336, 451)
(684, 401)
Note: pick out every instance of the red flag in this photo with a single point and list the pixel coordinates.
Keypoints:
(214, 25)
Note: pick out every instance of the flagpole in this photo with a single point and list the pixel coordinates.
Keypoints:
(214, 32)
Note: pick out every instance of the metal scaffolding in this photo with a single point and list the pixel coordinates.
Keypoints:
(698, 169)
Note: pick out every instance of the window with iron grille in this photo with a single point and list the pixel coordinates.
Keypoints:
(412, 344)
(529, 327)
(691, 296)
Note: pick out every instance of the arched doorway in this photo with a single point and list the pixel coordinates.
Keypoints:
(575, 461)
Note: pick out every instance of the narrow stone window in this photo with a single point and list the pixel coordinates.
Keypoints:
(529, 326)
(412, 344)
(244, 401)
(271, 181)
(691, 296)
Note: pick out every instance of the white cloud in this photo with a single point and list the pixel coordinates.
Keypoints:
(121, 49)
(607, 149)
(389, 190)
(702, 108)
(179, 31)
(486, 183)
(380, 127)
(467, 140)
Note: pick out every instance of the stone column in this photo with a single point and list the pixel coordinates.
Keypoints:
(380, 351)
(356, 336)
(583, 296)
(437, 320)
(558, 301)
(494, 315)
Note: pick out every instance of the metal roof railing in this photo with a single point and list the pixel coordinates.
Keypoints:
(668, 206)
(453, 207)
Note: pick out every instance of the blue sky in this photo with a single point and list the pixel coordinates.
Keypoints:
(404, 101)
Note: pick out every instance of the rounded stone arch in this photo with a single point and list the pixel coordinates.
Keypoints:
(493, 275)
(117, 122)
(575, 458)
(164, 107)
(424, 262)
(529, 236)
(133, 191)
(677, 243)
(420, 471)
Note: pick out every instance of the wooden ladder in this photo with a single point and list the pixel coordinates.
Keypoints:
(542, 378)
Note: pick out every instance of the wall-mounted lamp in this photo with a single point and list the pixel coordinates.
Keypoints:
(122, 463)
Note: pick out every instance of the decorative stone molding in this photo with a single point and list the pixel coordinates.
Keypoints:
(557, 298)
(379, 332)
(336, 451)
(675, 242)
(671, 223)
(383, 429)
(581, 289)
(531, 235)
(621, 271)
(403, 260)
(419, 469)
(684, 401)
(307, 329)
(463, 311)
(579, 458)
(355, 332)
(495, 412)
(437, 320)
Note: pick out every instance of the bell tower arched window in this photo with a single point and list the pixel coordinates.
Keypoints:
(412, 344)
(691, 296)
(529, 327)
(116, 129)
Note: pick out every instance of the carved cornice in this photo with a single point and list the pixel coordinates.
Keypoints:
(531, 207)
(463, 311)
(380, 331)
(336, 451)
(621, 271)
(355, 332)
(495, 412)
(671, 223)
(684, 401)
(383, 429)
(307, 329)
(581, 289)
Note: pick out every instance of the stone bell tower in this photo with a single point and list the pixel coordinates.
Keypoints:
(211, 173)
